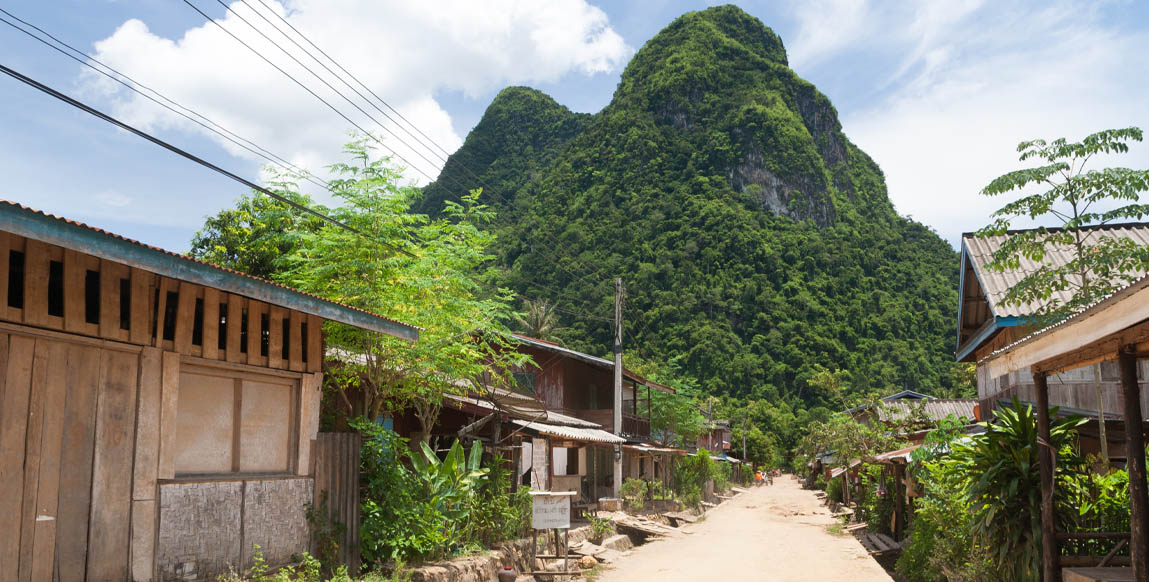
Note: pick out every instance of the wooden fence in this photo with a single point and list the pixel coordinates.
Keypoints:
(337, 486)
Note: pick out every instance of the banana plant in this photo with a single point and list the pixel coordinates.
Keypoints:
(450, 482)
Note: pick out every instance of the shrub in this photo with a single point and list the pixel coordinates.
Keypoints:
(634, 493)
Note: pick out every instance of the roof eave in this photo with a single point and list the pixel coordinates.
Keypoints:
(48, 229)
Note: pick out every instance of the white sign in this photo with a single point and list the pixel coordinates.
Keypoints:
(550, 511)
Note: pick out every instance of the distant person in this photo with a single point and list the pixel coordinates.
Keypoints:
(758, 477)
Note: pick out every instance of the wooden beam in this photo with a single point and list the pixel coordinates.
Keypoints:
(1049, 553)
(1102, 350)
(1135, 465)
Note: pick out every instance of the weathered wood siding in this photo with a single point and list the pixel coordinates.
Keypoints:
(337, 456)
(51, 287)
(91, 357)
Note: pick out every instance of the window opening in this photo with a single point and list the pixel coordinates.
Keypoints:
(264, 333)
(243, 331)
(92, 296)
(126, 304)
(303, 340)
(197, 323)
(221, 343)
(56, 288)
(170, 308)
(286, 339)
(16, 279)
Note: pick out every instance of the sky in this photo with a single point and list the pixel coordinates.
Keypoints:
(938, 93)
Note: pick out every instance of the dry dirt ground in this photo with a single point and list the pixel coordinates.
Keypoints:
(771, 533)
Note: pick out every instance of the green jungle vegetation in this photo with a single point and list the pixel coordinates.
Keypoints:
(758, 245)
(768, 276)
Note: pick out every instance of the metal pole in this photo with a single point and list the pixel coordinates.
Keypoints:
(618, 291)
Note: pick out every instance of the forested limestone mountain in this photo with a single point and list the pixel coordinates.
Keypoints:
(757, 243)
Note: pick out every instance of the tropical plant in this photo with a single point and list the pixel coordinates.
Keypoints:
(1079, 200)
(1002, 484)
(942, 546)
(599, 527)
(539, 319)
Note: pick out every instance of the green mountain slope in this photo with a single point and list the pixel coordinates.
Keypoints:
(757, 243)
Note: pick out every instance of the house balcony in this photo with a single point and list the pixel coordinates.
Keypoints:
(632, 424)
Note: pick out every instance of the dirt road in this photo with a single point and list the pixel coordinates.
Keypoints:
(771, 533)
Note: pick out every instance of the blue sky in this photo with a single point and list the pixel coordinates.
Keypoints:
(938, 93)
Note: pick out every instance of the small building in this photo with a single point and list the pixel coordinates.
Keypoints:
(581, 386)
(986, 326)
(157, 413)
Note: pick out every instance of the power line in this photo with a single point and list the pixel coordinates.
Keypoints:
(308, 89)
(108, 118)
(494, 192)
(320, 78)
(353, 77)
(221, 131)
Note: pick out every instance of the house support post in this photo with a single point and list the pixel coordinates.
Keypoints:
(1135, 455)
(1049, 559)
(900, 502)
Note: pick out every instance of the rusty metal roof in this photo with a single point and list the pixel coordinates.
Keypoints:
(38, 225)
(996, 284)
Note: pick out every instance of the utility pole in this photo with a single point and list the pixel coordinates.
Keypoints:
(618, 291)
(745, 457)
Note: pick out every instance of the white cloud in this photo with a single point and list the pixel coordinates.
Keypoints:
(405, 52)
(970, 81)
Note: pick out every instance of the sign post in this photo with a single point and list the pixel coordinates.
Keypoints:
(551, 510)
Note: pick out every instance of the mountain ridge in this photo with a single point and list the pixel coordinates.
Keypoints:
(758, 243)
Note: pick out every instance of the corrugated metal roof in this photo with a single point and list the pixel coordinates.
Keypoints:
(933, 408)
(573, 433)
(1097, 307)
(49, 228)
(996, 284)
(520, 407)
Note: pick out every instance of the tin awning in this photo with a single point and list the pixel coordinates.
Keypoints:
(593, 435)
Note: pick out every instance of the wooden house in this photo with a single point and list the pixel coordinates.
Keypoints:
(157, 413)
(986, 326)
(581, 386)
(1112, 332)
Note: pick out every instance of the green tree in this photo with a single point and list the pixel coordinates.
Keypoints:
(1080, 200)
(255, 235)
(408, 267)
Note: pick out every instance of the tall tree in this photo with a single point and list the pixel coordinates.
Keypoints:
(1079, 200)
(539, 319)
(408, 267)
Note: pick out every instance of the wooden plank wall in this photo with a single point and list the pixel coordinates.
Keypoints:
(336, 458)
(67, 423)
(144, 317)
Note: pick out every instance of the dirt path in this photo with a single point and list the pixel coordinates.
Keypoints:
(770, 533)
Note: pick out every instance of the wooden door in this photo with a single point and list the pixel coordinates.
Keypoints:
(67, 434)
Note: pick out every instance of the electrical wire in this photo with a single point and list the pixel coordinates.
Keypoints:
(309, 90)
(176, 150)
(221, 131)
(487, 188)
(344, 81)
